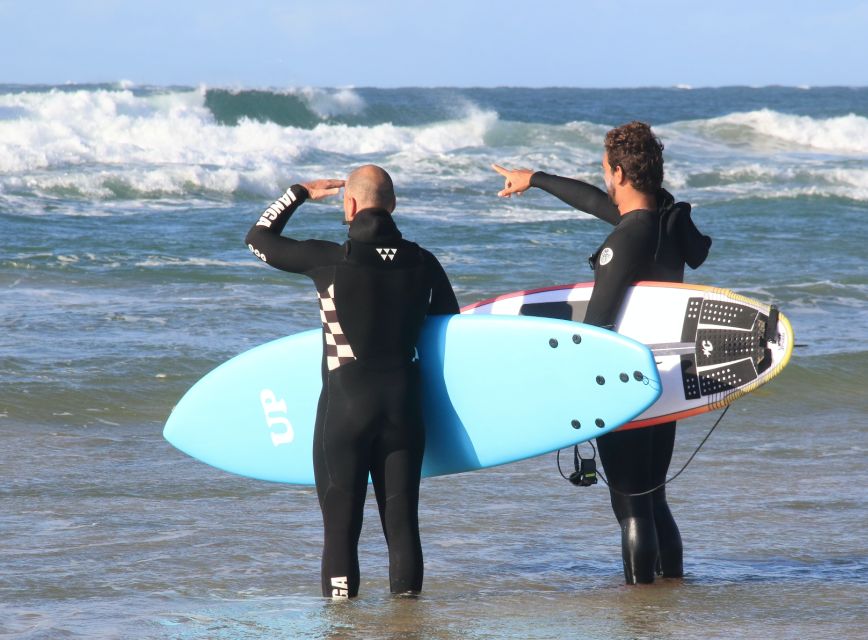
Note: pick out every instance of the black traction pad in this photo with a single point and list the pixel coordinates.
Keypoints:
(689, 377)
(728, 314)
(726, 377)
(730, 353)
(719, 346)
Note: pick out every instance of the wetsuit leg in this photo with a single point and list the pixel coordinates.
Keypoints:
(341, 463)
(626, 458)
(670, 563)
(396, 472)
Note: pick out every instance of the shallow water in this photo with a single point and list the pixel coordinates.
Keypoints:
(123, 279)
(109, 532)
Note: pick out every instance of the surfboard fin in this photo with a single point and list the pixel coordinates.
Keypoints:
(771, 334)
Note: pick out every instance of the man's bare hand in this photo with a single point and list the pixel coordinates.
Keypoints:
(516, 180)
(318, 189)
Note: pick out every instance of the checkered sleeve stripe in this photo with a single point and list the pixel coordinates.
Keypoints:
(337, 348)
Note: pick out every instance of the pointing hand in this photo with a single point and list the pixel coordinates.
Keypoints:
(516, 180)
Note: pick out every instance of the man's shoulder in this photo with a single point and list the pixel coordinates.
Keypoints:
(427, 257)
(321, 251)
(325, 243)
(414, 246)
(637, 227)
(640, 221)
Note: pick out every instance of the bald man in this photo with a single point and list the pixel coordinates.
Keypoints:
(375, 291)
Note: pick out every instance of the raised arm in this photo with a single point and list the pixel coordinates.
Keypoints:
(579, 195)
(288, 254)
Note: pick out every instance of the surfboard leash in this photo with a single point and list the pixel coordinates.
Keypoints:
(586, 474)
(586, 468)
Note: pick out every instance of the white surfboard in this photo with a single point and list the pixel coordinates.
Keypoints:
(711, 345)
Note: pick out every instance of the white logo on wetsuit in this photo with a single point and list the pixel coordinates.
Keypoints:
(707, 348)
(387, 253)
(606, 256)
(257, 253)
(339, 588)
(276, 208)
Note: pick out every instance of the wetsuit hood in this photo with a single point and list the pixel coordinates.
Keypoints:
(666, 200)
(374, 226)
(676, 224)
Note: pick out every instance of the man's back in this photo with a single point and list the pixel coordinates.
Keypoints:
(374, 291)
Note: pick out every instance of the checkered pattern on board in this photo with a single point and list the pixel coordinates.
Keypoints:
(337, 348)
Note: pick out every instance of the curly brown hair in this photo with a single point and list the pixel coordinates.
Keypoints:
(639, 153)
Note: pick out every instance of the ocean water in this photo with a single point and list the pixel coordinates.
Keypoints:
(124, 278)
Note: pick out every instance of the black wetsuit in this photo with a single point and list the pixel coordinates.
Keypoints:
(645, 245)
(375, 291)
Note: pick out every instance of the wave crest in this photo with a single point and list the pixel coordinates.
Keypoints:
(771, 130)
(118, 143)
(121, 142)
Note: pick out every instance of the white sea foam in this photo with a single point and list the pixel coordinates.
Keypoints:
(766, 129)
(95, 142)
(118, 143)
(779, 179)
(327, 104)
(163, 261)
(512, 213)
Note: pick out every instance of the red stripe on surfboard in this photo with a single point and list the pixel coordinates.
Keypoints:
(584, 285)
(515, 294)
(669, 417)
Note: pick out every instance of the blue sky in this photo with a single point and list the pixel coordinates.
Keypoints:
(389, 43)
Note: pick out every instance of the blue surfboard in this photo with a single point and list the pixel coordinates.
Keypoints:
(496, 389)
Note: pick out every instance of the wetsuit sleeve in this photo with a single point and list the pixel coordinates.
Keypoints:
(579, 195)
(288, 254)
(443, 300)
(625, 253)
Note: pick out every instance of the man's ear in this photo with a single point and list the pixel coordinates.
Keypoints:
(618, 175)
(351, 208)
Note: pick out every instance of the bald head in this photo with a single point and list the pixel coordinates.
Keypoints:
(370, 186)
